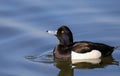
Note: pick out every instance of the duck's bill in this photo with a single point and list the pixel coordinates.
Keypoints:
(51, 32)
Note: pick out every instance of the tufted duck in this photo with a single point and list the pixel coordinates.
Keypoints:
(67, 49)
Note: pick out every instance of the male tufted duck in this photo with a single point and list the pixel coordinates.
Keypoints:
(67, 49)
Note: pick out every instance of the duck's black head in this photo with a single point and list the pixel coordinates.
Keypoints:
(64, 35)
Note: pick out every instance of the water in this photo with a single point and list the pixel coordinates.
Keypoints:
(26, 49)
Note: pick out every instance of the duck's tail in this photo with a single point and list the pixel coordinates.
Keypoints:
(115, 47)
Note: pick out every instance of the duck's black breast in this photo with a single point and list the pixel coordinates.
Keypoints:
(85, 46)
(61, 51)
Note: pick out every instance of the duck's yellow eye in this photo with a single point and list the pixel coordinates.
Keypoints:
(62, 31)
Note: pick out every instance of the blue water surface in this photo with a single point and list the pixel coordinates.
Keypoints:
(23, 37)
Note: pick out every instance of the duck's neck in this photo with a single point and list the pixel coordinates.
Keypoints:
(66, 41)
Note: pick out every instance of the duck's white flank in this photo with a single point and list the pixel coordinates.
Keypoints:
(94, 54)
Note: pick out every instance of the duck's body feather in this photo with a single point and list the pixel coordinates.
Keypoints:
(82, 47)
(85, 46)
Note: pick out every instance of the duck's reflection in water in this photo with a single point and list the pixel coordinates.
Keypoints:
(67, 68)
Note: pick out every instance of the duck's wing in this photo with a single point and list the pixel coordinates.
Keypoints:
(105, 49)
(85, 46)
(82, 47)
